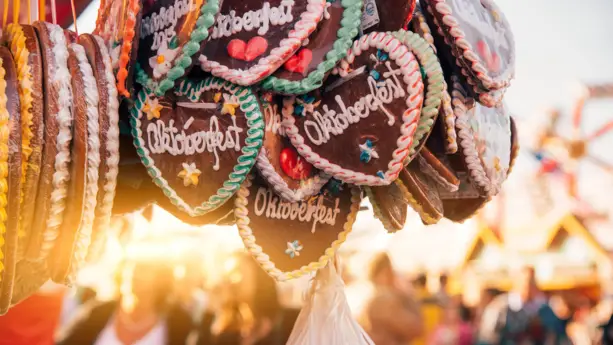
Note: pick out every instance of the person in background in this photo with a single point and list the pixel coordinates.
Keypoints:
(607, 332)
(143, 314)
(245, 307)
(34, 320)
(580, 328)
(519, 317)
(431, 309)
(442, 294)
(455, 327)
(390, 316)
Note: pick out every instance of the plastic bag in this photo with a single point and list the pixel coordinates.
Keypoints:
(326, 317)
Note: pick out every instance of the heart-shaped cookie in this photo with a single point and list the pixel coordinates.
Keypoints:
(10, 175)
(479, 37)
(288, 173)
(386, 15)
(118, 23)
(251, 40)
(199, 142)
(485, 141)
(23, 42)
(171, 32)
(308, 68)
(291, 239)
(361, 132)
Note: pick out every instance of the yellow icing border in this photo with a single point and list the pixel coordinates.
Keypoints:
(4, 156)
(17, 46)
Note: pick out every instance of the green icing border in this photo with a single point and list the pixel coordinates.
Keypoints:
(255, 134)
(435, 83)
(184, 60)
(350, 23)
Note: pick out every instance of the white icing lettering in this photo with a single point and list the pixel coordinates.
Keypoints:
(273, 120)
(267, 203)
(162, 138)
(230, 24)
(162, 24)
(322, 125)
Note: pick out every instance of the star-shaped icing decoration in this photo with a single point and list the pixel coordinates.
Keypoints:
(305, 105)
(190, 174)
(152, 108)
(293, 249)
(230, 103)
(367, 151)
(162, 62)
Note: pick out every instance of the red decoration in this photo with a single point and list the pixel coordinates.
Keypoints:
(238, 49)
(492, 60)
(300, 61)
(293, 165)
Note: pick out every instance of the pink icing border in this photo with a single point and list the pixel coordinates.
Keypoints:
(412, 76)
(277, 56)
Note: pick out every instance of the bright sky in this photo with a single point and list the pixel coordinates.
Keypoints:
(559, 43)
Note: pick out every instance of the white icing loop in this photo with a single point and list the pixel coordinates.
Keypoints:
(93, 161)
(60, 78)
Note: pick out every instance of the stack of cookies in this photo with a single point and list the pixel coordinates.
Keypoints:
(59, 153)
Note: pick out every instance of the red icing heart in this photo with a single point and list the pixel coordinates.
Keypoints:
(299, 62)
(238, 49)
(492, 60)
(294, 165)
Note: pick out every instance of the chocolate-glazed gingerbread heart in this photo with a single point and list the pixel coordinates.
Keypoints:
(386, 15)
(118, 23)
(293, 239)
(390, 205)
(290, 175)
(479, 37)
(171, 33)
(10, 169)
(209, 131)
(306, 70)
(71, 246)
(23, 42)
(251, 40)
(54, 174)
(361, 132)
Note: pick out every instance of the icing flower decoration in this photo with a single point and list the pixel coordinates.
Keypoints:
(162, 62)
(230, 103)
(305, 104)
(293, 249)
(333, 187)
(375, 74)
(152, 108)
(491, 59)
(367, 152)
(190, 174)
(382, 56)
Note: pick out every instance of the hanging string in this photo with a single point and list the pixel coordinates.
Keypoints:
(74, 17)
(29, 8)
(53, 12)
(5, 13)
(42, 11)
(16, 9)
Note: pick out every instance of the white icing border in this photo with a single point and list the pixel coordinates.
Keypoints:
(59, 76)
(277, 56)
(411, 76)
(242, 222)
(93, 161)
(112, 142)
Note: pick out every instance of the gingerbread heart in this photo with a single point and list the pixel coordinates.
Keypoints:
(390, 205)
(307, 70)
(200, 142)
(289, 174)
(272, 32)
(361, 129)
(171, 33)
(477, 34)
(291, 239)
